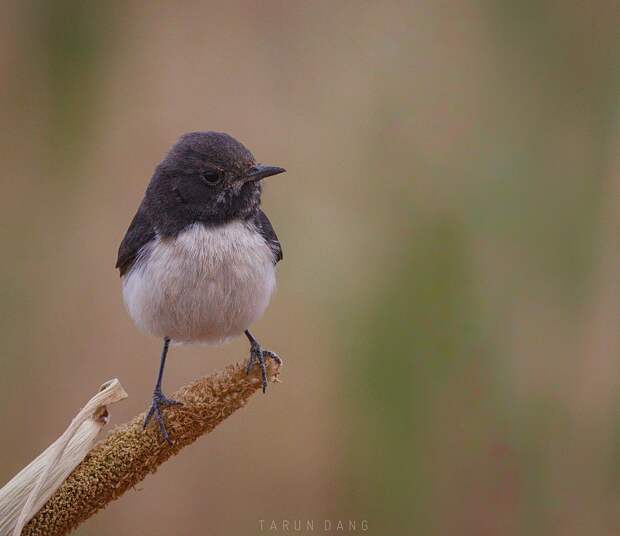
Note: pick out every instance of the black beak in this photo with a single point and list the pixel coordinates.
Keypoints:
(259, 172)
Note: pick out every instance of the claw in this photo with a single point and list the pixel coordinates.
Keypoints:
(273, 356)
(258, 354)
(250, 361)
(160, 401)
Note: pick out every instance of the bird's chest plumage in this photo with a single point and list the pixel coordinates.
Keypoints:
(206, 284)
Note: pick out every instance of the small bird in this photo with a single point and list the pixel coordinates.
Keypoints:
(198, 261)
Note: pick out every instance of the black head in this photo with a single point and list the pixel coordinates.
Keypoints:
(206, 177)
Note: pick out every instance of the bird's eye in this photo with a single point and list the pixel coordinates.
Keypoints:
(212, 178)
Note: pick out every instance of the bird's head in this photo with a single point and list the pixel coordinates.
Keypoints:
(206, 177)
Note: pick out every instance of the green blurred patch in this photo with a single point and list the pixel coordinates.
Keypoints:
(416, 338)
(72, 42)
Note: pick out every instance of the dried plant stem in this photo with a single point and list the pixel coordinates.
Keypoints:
(130, 453)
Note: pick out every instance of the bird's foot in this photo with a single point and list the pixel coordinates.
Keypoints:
(257, 354)
(159, 402)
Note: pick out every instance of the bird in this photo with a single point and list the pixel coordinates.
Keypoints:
(198, 262)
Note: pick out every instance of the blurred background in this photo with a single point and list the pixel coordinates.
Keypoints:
(449, 302)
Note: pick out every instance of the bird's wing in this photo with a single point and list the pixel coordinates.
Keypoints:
(140, 233)
(264, 227)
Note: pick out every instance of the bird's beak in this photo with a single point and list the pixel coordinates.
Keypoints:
(259, 172)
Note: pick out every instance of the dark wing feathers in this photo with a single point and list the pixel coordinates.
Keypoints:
(139, 234)
(264, 227)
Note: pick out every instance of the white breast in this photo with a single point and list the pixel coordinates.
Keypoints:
(207, 284)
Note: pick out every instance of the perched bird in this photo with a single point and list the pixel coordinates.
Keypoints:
(198, 261)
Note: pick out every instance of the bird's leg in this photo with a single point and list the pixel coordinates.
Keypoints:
(258, 354)
(159, 399)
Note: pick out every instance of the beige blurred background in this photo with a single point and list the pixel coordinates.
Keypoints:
(449, 302)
